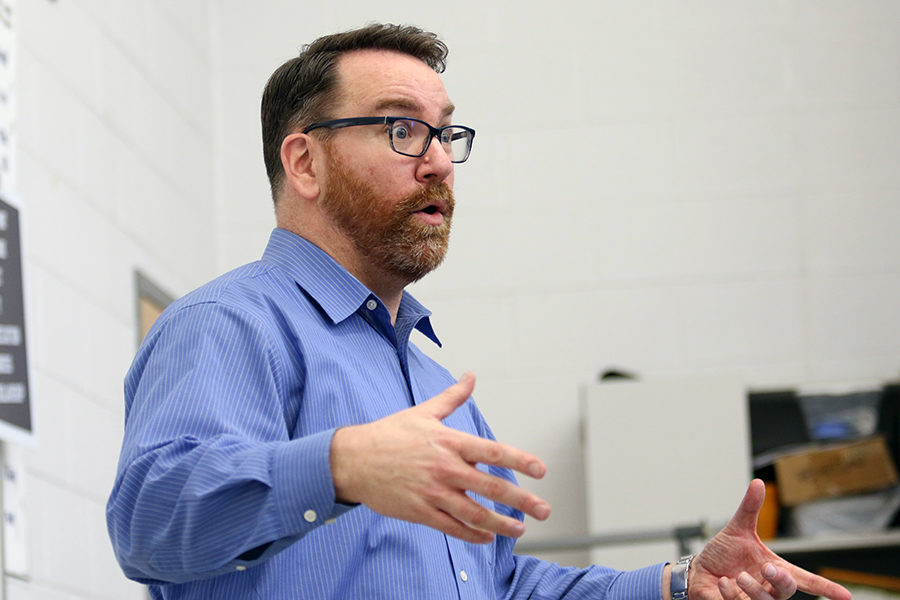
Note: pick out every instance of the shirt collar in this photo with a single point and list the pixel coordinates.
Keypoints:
(338, 292)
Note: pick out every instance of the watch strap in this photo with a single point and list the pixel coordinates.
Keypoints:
(679, 582)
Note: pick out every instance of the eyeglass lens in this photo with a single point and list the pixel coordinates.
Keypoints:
(411, 137)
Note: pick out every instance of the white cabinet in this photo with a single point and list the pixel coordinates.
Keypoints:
(660, 454)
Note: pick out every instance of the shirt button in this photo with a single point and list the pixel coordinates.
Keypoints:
(310, 516)
(463, 576)
(371, 304)
(240, 568)
(330, 521)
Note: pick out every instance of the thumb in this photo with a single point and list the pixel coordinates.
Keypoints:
(443, 405)
(748, 512)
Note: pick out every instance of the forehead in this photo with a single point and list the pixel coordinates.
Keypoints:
(374, 82)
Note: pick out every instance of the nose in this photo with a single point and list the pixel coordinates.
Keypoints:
(435, 165)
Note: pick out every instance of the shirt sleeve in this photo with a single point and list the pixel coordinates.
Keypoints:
(519, 576)
(209, 479)
(534, 578)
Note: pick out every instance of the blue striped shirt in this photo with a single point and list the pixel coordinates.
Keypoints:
(224, 488)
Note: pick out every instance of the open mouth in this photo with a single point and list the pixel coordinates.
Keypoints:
(431, 214)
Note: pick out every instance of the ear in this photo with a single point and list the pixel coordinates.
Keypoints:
(297, 160)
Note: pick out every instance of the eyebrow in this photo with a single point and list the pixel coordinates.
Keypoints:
(407, 104)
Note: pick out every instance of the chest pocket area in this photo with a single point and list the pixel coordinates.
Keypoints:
(345, 391)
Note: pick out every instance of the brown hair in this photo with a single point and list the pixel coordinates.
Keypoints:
(300, 91)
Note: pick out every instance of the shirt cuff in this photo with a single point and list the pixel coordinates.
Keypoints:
(643, 583)
(304, 490)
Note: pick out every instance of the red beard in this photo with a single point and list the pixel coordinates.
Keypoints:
(387, 232)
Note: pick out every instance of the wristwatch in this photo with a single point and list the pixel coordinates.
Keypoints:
(679, 584)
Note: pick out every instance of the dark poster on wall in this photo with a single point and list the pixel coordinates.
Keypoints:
(15, 404)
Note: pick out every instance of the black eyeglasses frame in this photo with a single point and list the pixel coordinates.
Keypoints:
(433, 131)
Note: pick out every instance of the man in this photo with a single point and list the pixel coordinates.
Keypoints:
(283, 437)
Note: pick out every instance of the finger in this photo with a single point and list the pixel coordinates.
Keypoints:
(463, 508)
(474, 449)
(747, 513)
(502, 491)
(752, 587)
(783, 585)
(442, 406)
(442, 521)
(729, 589)
(816, 585)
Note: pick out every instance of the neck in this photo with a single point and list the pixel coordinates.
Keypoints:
(388, 287)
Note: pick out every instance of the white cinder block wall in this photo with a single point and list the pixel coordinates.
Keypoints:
(115, 173)
(672, 187)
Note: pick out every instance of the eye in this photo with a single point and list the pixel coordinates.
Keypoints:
(402, 130)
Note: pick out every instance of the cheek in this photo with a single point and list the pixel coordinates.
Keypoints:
(392, 183)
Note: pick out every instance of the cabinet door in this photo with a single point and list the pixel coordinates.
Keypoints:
(661, 454)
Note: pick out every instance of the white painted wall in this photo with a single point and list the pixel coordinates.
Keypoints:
(114, 171)
(676, 187)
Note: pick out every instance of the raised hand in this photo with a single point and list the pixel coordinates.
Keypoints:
(410, 466)
(736, 565)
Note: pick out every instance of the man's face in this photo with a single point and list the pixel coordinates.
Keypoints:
(395, 209)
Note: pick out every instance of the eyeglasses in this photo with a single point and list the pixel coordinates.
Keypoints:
(411, 137)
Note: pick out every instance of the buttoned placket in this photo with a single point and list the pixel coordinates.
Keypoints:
(398, 335)
(376, 314)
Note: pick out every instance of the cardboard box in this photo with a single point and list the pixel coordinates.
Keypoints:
(833, 471)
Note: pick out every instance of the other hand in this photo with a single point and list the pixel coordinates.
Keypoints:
(410, 466)
(736, 565)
